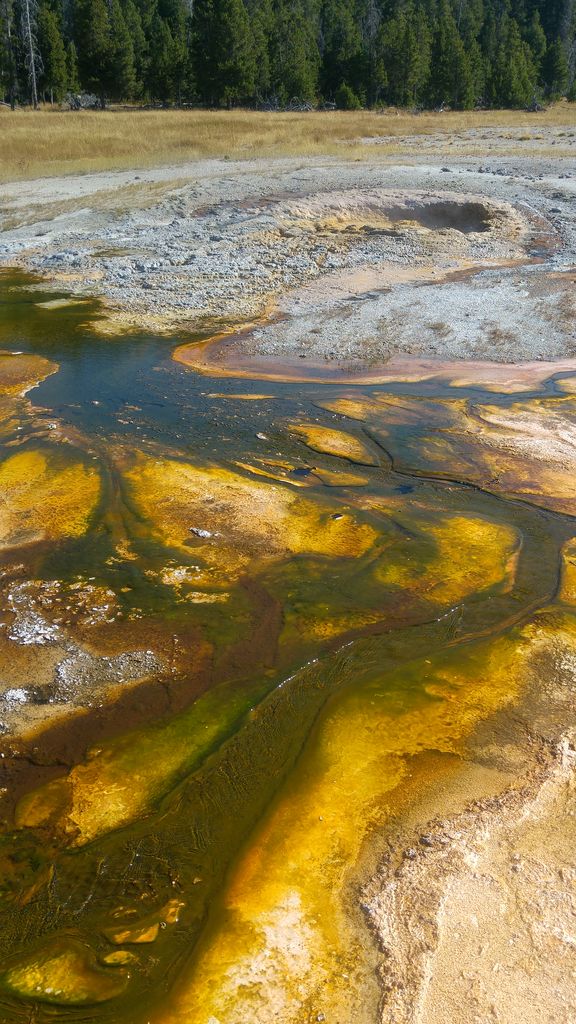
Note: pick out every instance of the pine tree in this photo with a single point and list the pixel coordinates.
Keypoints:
(179, 56)
(105, 53)
(54, 77)
(553, 16)
(295, 55)
(514, 73)
(8, 78)
(374, 70)
(177, 14)
(477, 67)
(451, 75)
(341, 49)
(470, 15)
(405, 42)
(122, 83)
(346, 98)
(536, 38)
(147, 10)
(555, 70)
(93, 45)
(72, 73)
(223, 54)
(261, 22)
(159, 79)
(470, 18)
(140, 47)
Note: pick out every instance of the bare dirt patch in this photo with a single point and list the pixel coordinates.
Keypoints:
(474, 903)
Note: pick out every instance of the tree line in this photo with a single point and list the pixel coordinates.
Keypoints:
(351, 53)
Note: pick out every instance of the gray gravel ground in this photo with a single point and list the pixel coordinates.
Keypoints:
(230, 242)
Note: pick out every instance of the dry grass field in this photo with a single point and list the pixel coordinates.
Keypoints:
(53, 142)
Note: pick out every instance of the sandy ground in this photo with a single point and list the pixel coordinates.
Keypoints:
(474, 905)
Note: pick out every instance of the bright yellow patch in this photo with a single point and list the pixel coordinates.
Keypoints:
(245, 520)
(469, 556)
(134, 936)
(119, 957)
(397, 410)
(146, 931)
(327, 477)
(330, 441)
(282, 477)
(65, 973)
(330, 478)
(42, 498)
(354, 408)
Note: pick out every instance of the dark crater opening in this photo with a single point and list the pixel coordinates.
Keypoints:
(464, 217)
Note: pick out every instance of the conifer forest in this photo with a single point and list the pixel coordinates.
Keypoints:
(274, 54)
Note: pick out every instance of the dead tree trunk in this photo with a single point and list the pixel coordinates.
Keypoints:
(33, 64)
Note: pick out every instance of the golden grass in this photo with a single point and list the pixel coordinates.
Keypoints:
(52, 142)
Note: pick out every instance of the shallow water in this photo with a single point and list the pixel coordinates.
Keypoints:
(230, 626)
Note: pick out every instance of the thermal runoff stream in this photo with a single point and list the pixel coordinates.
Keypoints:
(250, 631)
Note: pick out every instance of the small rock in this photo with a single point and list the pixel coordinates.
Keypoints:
(16, 695)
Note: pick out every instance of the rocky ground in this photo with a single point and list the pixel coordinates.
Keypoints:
(335, 250)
